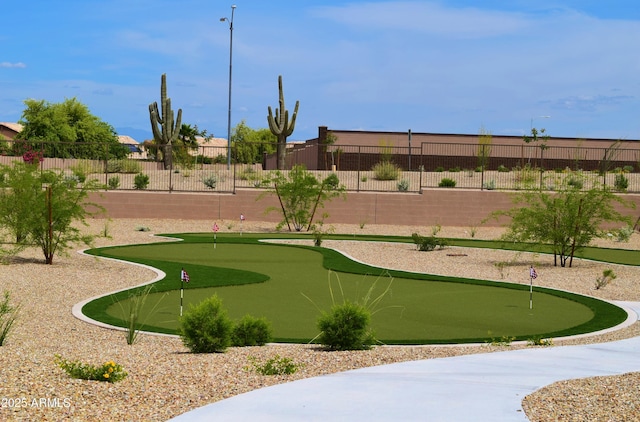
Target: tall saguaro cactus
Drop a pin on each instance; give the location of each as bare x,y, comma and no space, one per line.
165,131
281,126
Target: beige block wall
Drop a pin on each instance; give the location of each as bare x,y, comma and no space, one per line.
447,207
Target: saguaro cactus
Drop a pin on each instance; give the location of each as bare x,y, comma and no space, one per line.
165,131
280,125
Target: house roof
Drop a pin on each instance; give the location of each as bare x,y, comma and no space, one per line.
124,139
16,127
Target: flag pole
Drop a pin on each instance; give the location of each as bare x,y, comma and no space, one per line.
532,274
181,289
181,296
530,292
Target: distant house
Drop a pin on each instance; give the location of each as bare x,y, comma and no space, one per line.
211,147
9,131
136,151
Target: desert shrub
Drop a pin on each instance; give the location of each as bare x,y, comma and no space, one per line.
439,169
490,185
141,181
455,170
107,372
575,182
346,327
210,181
79,174
113,182
623,234
123,166
428,243
539,341
251,331
8,316
503,169
621,183
447,183
206,328
403,185
607,277
627,169
386,170
274,366
203,159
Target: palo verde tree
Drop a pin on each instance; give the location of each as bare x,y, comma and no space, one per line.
66,130
43,208
300,195
249,145
280,125
568,218
165,129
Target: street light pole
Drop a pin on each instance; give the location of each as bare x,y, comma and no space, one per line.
233,8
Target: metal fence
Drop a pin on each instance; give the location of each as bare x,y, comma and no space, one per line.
359,168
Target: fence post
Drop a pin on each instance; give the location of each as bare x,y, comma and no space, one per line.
542,148
170,151
482,166
358,171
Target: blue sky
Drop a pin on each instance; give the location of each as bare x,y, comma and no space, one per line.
449,66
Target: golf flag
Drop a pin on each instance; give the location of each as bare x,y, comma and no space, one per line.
532,273
215,227
184,276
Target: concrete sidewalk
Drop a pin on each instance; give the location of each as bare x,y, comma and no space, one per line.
479,387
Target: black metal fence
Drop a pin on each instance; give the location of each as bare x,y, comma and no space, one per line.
360,168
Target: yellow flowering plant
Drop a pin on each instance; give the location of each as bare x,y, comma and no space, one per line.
108,371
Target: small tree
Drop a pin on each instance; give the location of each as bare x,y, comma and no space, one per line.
45,208
567,219
300,194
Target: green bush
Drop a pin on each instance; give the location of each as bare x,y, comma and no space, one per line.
332,182
8,316
107,372
206,328
141,181
386,170
455,170
447,183
490,185
575,182
621,183
275,366
439,169
123,166
428,243
251,331
403,185
203,159
346,327
503,169
627,169
114,182
210,181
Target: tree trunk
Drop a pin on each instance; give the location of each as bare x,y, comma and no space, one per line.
282,152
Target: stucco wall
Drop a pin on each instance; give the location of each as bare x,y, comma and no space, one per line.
447,207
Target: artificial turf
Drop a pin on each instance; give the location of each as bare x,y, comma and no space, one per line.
290,286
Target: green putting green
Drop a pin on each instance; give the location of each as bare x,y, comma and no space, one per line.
290,286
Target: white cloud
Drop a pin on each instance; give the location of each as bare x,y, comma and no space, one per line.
426,17
18,65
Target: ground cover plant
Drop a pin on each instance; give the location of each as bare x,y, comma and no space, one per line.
260,278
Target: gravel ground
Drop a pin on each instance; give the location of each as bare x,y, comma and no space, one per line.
165,380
